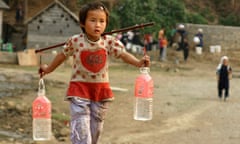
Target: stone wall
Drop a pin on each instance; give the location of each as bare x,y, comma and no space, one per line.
8,58
225,36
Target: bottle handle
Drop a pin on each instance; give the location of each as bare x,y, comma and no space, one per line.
41,87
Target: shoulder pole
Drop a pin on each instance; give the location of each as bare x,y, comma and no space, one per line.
106,33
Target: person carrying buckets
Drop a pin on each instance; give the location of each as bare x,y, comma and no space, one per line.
89,90
198,40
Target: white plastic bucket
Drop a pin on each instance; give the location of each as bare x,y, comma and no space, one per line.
129,46
199,50
218,48
212,49
134,48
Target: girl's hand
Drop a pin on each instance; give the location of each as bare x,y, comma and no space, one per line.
145,61
43,70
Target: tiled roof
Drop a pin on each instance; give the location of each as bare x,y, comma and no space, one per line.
3,5
55,2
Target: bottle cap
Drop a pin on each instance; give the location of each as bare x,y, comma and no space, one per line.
144,69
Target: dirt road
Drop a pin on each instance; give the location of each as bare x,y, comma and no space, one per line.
186,109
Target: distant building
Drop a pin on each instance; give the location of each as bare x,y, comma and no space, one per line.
3,6
53,25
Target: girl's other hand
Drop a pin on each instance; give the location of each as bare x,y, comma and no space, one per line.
145,61
43,70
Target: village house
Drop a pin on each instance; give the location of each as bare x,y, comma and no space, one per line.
52,25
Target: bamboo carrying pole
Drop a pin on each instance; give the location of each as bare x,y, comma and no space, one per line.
106,33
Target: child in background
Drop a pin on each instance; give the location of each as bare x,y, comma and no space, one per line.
224,72
89,91
163,48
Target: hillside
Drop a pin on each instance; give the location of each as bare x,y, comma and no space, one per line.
224,12
212,11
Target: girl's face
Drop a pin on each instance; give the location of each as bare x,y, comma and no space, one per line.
95,24
225,62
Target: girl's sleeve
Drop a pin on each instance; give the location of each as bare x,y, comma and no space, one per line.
68,48
115,47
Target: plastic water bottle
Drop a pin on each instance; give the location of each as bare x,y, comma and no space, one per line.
143,95
41,113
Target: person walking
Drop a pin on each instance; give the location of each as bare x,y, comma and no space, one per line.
183,42
89,90
182,36
185,49
198,40
224,74
200,36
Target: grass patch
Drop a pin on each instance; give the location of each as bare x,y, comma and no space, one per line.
60,117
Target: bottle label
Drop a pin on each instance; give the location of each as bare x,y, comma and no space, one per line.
144,89
41,108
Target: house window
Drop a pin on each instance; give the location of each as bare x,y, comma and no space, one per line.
38,27
40,21
54,21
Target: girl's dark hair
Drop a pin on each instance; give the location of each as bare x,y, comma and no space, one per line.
91,6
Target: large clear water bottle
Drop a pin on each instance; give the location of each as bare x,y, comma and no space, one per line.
143,95
41,113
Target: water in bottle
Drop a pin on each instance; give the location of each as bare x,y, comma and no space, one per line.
41,113
143,95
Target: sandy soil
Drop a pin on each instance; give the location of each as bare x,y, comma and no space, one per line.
186,108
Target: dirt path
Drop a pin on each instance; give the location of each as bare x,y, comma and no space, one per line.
186,109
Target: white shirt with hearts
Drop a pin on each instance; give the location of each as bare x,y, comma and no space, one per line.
90,65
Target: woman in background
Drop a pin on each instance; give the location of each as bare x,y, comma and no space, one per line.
224,72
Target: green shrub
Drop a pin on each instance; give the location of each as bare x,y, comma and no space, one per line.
231,20
196,18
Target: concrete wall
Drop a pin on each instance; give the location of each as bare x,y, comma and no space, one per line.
226,36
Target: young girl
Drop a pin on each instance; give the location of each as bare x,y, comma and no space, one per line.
224,72
89,92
